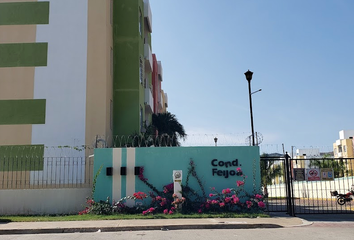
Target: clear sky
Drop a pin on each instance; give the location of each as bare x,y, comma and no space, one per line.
301,53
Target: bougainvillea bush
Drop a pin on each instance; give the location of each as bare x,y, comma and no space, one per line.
235,199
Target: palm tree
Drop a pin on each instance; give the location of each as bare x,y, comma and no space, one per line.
269,171
338,166
168,129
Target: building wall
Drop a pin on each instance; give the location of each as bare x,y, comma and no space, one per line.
99,90
43,201
128,45
19,50
56,80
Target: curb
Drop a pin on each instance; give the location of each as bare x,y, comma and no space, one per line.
137,228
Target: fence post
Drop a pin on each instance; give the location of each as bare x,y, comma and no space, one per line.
290,205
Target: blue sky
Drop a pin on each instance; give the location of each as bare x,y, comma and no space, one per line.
301,53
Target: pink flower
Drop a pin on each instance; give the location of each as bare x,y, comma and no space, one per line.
207,205
249,204
238,169
151,209
200,211
211,195
227,199
235,200
173,208
240,183
258,196
261,204
165,211
226,191
170,212
213,188
221,204
174,195
214,202
158,198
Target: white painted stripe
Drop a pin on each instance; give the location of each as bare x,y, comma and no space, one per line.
130,175
63,81
117,179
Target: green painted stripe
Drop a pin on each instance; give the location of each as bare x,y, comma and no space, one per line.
24,13
124,178
21,158
31,111
23,54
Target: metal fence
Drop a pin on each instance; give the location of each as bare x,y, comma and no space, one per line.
296,195
34,172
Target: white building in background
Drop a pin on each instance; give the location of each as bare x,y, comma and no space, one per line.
306,153
346,134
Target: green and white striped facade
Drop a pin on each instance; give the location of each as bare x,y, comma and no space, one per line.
55,71
72,70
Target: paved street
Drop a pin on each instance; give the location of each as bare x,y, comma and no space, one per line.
318,230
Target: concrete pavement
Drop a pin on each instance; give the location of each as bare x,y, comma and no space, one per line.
149,224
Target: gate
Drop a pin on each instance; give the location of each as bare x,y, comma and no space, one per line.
287,189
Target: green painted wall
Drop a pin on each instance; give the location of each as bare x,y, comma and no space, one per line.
23,54
159,164
103,159
21,158
128,45
30,111
22,13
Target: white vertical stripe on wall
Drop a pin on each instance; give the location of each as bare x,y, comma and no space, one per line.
63,81
117,179
130,175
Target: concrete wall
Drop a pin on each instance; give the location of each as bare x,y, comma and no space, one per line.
43,201
159,164
315,189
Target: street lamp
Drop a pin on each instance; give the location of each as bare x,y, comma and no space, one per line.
248,75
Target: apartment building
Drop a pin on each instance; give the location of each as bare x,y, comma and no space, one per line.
74,72
343,147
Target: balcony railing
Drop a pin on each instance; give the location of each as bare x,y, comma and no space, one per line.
148,15
148,57
149,101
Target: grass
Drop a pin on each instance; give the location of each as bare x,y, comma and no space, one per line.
91,217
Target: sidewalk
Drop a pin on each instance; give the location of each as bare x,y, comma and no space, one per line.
149,224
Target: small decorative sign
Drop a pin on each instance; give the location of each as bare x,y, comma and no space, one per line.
299,174
327,174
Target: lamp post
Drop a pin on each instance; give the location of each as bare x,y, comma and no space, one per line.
216,141
248,75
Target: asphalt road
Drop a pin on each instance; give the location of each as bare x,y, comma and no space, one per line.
321,230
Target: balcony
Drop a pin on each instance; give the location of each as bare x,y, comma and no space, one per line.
148,58
160,101
160,70
149,101
166,100
148,15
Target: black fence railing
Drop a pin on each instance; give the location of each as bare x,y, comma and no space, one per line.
33,172
309,185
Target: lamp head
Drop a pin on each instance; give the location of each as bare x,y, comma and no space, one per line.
248,75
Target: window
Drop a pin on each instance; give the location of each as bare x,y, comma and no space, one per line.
111,12
140,23
111,62
339,148
141,118
111,115
141,70
345,148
